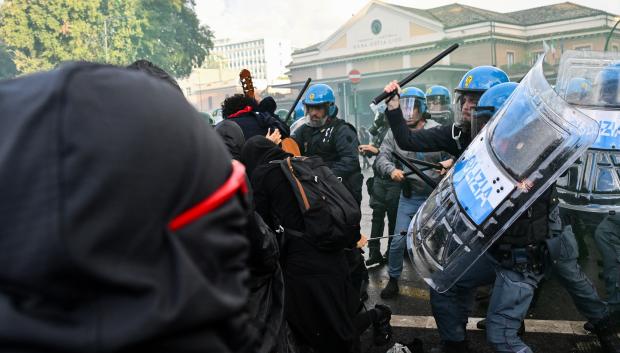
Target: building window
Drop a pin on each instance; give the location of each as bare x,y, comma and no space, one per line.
614,48
536,55
510,58
188,91
210,102
583,47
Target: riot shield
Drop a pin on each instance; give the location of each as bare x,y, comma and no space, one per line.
298,123
527,145
592,184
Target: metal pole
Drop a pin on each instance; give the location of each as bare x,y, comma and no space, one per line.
609,35
355,106
105,39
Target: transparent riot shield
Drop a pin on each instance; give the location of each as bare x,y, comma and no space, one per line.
590,81
527,145
298,123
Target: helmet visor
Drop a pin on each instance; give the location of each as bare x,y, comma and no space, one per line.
463,106
437,104
410,107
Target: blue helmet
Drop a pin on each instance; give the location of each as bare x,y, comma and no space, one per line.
490,102
410,99
473,84
607,87
438,92
321,94
299,111
481,78
496,96
578,89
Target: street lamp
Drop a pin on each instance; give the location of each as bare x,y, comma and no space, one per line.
611,32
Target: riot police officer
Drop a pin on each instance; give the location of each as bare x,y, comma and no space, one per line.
335,141
451,308
414,190
438,101
516,261
590,191
384,194
332,139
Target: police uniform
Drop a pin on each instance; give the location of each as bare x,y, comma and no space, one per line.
514,280
336,143
384,194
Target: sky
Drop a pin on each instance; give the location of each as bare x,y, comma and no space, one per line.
305,22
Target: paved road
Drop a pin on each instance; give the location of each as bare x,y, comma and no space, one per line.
553,324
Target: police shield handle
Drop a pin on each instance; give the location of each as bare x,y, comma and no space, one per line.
417,72
301,94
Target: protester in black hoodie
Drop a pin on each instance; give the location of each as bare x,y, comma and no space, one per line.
232,135
266,303
109,241
321,304
253,118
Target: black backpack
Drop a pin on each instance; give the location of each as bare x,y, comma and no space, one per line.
331,214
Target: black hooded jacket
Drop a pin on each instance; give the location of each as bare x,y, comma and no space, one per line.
319,299
260,120
95,162
232,135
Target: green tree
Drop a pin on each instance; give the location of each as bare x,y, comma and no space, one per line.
7,67
43,33
173,37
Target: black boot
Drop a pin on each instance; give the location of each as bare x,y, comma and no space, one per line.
374,258
391,289
455,347
381,328
607,335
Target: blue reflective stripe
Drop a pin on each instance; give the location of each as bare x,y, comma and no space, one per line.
472,188
608,136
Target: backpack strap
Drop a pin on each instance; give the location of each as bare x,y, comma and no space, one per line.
302,192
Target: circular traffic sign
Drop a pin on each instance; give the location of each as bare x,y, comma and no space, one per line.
355,76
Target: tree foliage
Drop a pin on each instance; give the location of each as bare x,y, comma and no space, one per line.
173,37
40,33
7,67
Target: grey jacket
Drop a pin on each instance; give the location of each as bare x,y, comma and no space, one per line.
385,163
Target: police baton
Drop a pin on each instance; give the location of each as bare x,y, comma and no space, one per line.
301,93
416,73
430,182
386,237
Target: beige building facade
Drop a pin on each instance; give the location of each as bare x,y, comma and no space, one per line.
386,42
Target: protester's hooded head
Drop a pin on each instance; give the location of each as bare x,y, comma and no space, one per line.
268,105
108,242
259,150
232,135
